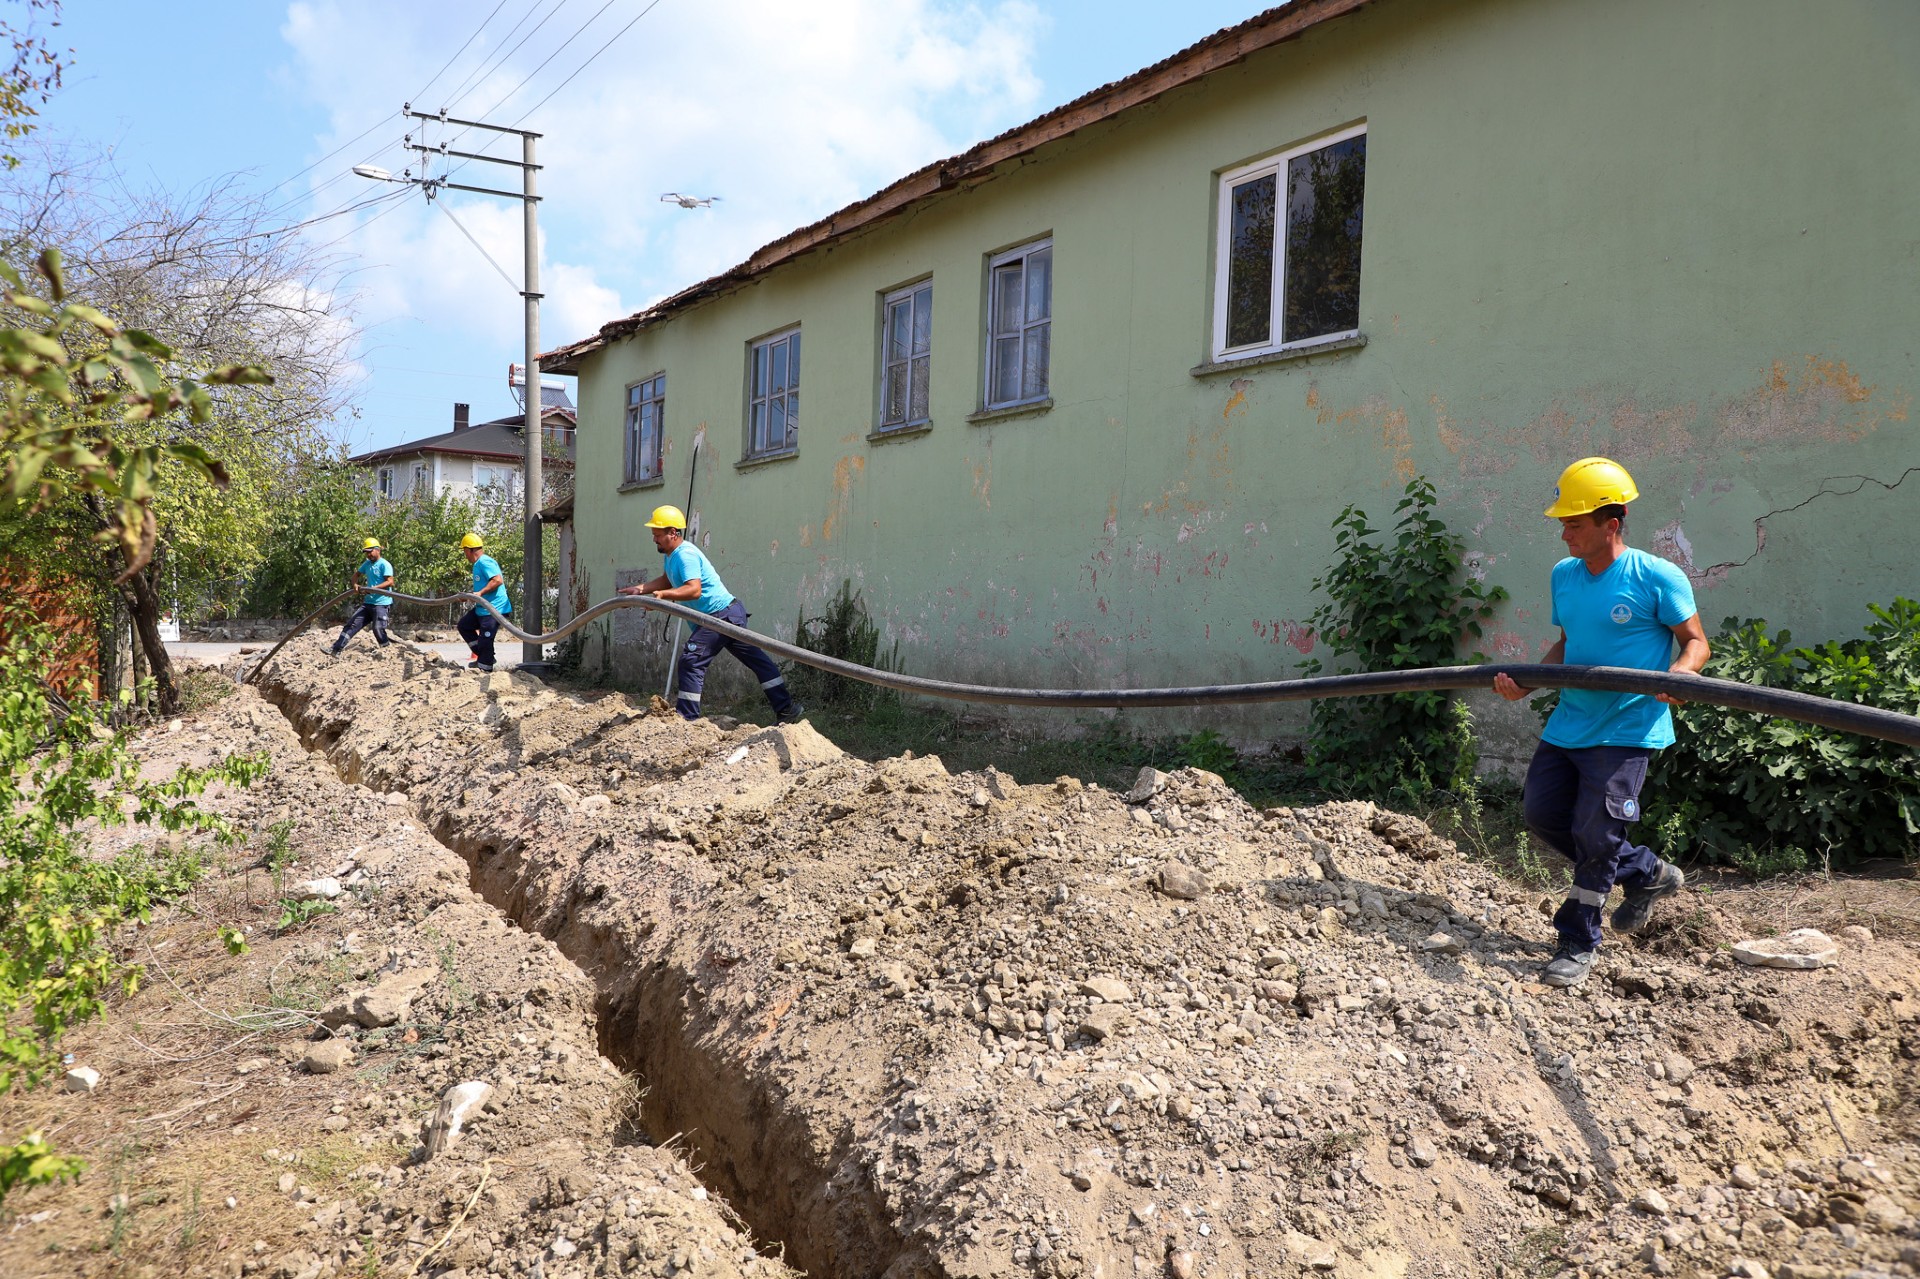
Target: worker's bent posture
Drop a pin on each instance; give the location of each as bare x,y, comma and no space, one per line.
691,579
1615,606
481,622
377,576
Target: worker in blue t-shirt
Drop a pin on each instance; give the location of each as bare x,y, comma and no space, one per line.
1615,606
691,579
377,576
479,624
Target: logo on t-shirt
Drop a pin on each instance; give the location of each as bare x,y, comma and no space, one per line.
1621,614
1628,808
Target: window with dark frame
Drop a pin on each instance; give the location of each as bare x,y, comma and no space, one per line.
1019,325
1288,271
773,395
906,347
645,427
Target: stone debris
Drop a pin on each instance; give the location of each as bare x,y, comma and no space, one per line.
327,1056
82,1079
1801,948
1181,882
1061,1030
325,888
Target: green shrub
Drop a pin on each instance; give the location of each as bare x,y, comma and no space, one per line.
1399,606
62,769
844,630
1773,795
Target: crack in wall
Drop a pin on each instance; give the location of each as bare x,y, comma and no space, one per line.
1716,572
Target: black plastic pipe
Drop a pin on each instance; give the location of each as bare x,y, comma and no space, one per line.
1848,717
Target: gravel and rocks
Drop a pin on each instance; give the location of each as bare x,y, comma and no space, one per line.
918,1023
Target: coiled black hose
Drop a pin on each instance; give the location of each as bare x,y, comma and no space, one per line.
1848,717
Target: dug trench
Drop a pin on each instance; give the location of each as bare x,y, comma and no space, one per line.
920,1024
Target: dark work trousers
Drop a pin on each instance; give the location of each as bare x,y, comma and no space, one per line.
375,613
477,628
705,643
1580,803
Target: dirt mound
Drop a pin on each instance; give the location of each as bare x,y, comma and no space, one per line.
924,1024
274,1114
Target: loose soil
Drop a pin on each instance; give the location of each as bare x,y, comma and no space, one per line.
908,1023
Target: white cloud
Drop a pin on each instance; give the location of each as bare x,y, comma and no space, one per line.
785,111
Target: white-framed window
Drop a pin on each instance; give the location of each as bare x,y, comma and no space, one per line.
423,479
383,481
1019,324
906,355
499,477
1287,268
646,421
773,395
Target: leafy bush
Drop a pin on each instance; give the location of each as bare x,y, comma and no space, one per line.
61,769
844,631
1399,606
1773,795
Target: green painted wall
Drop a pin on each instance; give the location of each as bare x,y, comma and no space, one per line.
1679,232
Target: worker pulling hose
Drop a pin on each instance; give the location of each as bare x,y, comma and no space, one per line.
1848,717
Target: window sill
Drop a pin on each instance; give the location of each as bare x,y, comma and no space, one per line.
887,435
1032,408
641,486
765,459
1288,356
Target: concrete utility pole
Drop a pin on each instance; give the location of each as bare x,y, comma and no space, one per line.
532,594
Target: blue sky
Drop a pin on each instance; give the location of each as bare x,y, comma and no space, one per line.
784,111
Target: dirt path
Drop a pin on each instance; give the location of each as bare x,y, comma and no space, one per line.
919,1024
912,1024
232,1134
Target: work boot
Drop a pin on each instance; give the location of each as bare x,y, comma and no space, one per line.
792,715
1569,966
1633,913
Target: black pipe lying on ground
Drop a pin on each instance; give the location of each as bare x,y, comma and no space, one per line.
1848,717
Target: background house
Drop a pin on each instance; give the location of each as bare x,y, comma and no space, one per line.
1081,403
474,456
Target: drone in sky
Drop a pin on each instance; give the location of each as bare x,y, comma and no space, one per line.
689,201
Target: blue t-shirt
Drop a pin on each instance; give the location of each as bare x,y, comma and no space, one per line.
1623,617
484,569
686,562
373,572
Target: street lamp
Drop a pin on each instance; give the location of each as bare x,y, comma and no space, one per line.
533,595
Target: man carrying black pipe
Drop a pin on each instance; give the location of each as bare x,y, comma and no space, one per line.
691,579
1615,606
377,576
479,624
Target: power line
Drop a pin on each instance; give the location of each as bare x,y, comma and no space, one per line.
508,48
323,159
549,58
570,78
457,52
441,205
589,62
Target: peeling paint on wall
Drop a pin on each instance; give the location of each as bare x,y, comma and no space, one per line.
1375,416
1822,401
845,472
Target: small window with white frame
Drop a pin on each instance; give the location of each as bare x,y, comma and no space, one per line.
1287,269
1019,325
646,422
421,479
384,481
773,395
906,356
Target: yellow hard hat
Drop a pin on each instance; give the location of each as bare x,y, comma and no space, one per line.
668,517
372,544
1588,485
471,542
